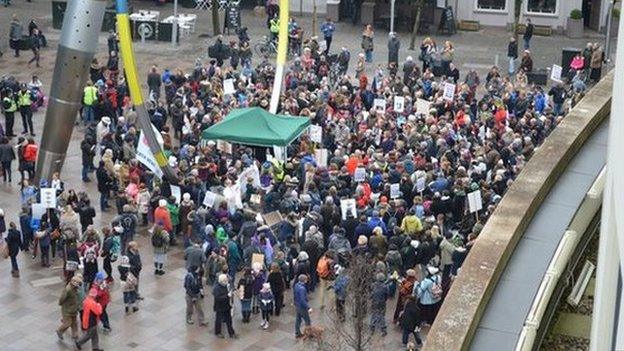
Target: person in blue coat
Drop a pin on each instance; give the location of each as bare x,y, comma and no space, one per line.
301,304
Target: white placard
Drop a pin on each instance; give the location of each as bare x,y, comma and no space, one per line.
555,73
209,199
346,206
228,87
224,147
359,175
379,104
38,210
449,91
399,104
176,192
321,155
420,185
280,153
48,197
474,201
249,172
395,191
423,106
316,133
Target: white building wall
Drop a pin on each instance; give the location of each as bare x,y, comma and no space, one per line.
467,10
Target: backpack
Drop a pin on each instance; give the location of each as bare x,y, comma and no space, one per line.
115,248
436,289
89,254
158,240
30,152
127,223
322,268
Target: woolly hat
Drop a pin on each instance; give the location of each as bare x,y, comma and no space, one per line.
432,270
162,203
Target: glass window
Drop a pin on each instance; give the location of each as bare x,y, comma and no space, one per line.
491,4
542,6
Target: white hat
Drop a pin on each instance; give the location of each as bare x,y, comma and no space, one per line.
186,196
162,202
415,243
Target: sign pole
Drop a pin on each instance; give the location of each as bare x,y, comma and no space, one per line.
174,30
392,16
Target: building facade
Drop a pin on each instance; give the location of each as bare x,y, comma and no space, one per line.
552,13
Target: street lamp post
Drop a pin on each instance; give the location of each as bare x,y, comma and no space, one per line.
392,15
174,29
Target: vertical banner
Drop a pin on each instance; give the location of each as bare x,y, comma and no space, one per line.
282,50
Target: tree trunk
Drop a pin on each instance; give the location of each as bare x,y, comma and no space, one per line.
517,13
419,7
216,27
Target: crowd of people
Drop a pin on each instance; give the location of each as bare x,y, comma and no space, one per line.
409,168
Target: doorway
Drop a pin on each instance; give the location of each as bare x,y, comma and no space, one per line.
591,13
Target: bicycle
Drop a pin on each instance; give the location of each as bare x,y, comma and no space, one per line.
266,47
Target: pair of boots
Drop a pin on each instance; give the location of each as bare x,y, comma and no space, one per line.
15,274
246,316
158,269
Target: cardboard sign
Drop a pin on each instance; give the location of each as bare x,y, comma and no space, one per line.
316,133
348,206
395,191
359,175
449,91
420,185
255,199
48,197
379,104
423,106
38,210
474,201
273,218
176,192
228,87
399,104
257,258
209,199
224,147
555,73
321,156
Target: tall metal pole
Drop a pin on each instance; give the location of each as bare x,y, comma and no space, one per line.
77,45
314,17
392,15
174,29
611,247
608,34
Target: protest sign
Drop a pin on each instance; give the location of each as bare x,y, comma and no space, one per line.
316,133
228,87
399,104
475,203
48,197
449,91
209,199
379,104
348,206
395,191
321,155
555,73
423,106
176,192
359,175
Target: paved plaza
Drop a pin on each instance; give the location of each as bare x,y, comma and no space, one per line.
29,305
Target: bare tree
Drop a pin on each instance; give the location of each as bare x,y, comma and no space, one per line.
419,7
353,333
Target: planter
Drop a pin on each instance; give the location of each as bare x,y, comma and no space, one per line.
469,26
575,28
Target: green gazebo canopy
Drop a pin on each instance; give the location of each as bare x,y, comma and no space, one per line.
256,126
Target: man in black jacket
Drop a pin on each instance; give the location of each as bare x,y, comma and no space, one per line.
104,181
528,34
87,147
222,307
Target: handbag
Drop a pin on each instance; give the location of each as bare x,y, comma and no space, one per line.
4,250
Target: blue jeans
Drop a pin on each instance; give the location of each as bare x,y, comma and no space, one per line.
527,43
558,109
302,313
103,201
369,55
512,66
85,172
88,115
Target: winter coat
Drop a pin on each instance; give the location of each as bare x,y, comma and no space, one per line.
221,298
69,301
301,296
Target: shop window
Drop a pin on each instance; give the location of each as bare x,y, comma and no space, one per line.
499,5
542,6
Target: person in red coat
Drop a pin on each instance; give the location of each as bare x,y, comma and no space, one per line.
162,216
91,311
103,298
